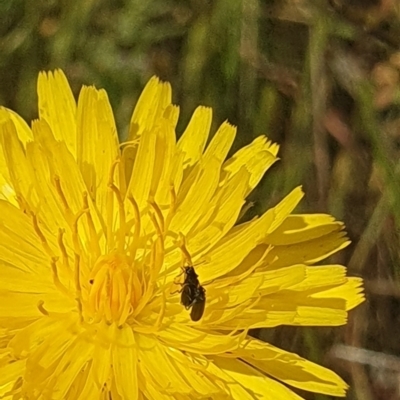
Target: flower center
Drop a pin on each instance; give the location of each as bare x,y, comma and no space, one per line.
109,262
110,293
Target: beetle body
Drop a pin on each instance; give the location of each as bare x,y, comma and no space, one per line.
193,295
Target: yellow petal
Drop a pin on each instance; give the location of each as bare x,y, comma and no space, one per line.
152,103
320,276
97,143
19,248
303,227
282,210
305,309
309,252
220,143
351,291
233,295
23,130
282,278
59,165
35,333
24,134
71,364
235,389
257,158
190,339
57,106
21,178
162,178
194,139
10,373
232,249
142,174
291,368
53,215
223,211
195,195
125,364
259,385
101,364
158,368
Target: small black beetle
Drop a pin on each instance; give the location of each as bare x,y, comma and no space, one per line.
193,295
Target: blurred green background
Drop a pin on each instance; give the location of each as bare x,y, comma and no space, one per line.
320,77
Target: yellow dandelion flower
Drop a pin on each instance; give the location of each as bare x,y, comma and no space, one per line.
94,238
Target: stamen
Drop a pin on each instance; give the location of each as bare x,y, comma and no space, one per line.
77,281
23,204
56,279
94,243
122,217
172,208
157,252
147,287
75,236
42,309
63,199
159,214
126,307
42,237
138,327
159,258
161,315
156,225
65,259
107,302
95,290
136,232
136,288
130,143
110,208
185,252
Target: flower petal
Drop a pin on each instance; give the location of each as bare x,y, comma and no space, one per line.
71,364
321,276
70,197
194,139
259,385
304,309
164,163
235,246
309,252
257,158
151,105
57,106
19,249
351,291
21,178
291,368
10,373
23,130
199,342
97,143
125,360
158,368
303,227
195,195
221,143
223,211
142,174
